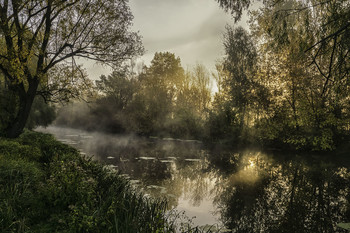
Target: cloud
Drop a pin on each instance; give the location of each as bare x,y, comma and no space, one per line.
192,29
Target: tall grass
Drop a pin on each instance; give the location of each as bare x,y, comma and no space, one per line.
46,186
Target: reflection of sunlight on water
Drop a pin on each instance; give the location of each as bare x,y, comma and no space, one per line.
246,189
251,163
248,175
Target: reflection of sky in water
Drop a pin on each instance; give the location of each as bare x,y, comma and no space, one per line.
203,213
172,169
247,191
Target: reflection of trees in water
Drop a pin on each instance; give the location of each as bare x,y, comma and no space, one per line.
195,182
288,197
172,179
253,194
256,194
190,181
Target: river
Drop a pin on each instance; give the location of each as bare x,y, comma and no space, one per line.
245,191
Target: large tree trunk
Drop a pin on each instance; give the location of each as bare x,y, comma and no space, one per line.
26,98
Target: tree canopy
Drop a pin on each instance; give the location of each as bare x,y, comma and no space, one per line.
289,76
41,40
327,24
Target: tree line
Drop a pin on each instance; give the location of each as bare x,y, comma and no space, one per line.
282,83
162,99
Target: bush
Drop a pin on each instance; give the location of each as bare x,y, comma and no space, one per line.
49,187
20,184
46,186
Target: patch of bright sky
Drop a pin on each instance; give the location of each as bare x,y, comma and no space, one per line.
191,29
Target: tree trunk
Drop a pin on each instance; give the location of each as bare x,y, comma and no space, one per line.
26,98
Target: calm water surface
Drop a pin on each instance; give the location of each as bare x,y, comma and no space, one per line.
247,191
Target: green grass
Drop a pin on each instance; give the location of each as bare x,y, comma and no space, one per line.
46,186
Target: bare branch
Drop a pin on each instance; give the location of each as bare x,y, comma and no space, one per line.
337,33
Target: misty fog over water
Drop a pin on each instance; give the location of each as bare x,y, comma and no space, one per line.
213,116
236,190
165,168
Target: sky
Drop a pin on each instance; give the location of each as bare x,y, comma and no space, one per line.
191,29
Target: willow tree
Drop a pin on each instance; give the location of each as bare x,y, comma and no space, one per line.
327,22
41,40
304,46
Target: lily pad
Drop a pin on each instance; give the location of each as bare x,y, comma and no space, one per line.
167,161
147,158
192,160
345,226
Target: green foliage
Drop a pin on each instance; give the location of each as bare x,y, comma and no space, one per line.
223,126
161,100
15,150
46,186
8,105
20,184
235,7
345,226
288,82
118,87
39,58
185,125
240,64
284,84
41,114
237,104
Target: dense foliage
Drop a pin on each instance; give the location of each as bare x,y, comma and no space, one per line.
287,81
162,100
42,113
40,41
46,186
283,83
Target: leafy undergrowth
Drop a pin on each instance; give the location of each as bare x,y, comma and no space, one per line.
46,186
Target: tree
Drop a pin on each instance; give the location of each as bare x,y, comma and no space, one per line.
160,86
240,63
327,20
238,99
192,103
201,82
117,87
112,109
41,114
309,86
52,34
235,7
302,71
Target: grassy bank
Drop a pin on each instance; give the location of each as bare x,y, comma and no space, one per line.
46,186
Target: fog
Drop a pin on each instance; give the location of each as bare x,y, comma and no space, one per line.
104,146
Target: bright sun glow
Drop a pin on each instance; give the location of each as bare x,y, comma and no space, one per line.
251,163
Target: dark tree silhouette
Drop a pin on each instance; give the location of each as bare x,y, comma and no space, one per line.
40,41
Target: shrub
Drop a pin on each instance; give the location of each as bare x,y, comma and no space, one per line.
46,186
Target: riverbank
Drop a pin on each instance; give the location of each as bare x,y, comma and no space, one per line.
47,186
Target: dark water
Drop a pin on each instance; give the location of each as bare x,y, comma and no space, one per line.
247,191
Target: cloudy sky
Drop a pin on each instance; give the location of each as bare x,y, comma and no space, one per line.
192,29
